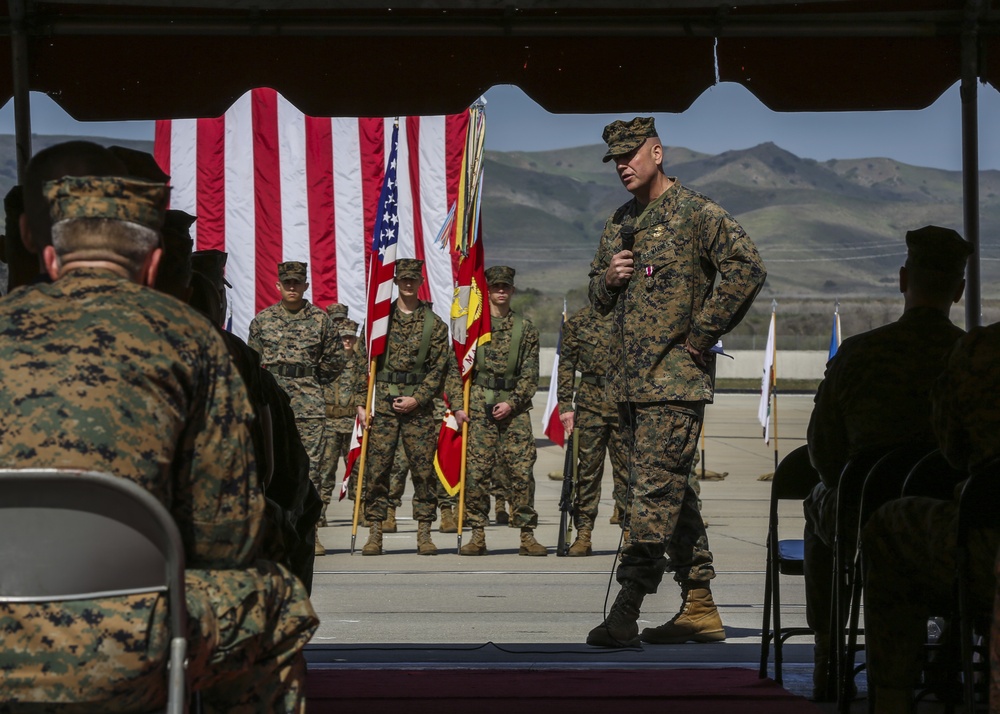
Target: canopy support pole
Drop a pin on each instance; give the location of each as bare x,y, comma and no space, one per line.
970,160
19,68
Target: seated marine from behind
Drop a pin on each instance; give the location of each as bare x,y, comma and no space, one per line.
100,372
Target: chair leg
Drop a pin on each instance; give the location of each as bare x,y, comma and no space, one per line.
965,640
836,655
779,642
844,695
765,628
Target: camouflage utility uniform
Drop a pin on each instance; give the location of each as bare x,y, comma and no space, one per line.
586,337
910,543
398,374
863,404
510,441
99,373
341,410
301,349
684,241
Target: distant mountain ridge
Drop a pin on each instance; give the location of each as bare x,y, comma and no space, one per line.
832,228
825,229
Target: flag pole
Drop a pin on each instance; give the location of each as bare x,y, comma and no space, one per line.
461,473
364,453
703,448
774,381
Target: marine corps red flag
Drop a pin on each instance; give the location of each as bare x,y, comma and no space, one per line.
448,458
470,319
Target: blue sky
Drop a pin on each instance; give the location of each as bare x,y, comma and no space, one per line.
725,117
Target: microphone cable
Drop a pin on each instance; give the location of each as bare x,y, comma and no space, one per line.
627,233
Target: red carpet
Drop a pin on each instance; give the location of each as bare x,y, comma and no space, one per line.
525,691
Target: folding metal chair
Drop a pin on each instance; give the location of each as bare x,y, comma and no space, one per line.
977,510
883,483
82,535
794,478
849,487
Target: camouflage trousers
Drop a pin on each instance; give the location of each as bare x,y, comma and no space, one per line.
418,433
337,445
312,432
662,509
820,510
397,483
247,629
597,435
512,444
909,547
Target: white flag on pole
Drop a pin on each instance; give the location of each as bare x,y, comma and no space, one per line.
767,381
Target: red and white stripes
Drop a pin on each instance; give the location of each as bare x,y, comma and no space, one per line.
269,184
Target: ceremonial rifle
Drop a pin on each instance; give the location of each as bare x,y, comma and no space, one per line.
567,496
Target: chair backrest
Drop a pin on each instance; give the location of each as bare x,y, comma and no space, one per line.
933,477
850,486
887,475
70,535
795,476
978,503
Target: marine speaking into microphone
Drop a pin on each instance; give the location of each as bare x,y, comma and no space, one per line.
679,272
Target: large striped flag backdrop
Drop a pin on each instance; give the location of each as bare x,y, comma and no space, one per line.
269,184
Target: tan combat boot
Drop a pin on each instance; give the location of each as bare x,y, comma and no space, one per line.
425,546
697,621
620,628
581,546
476,546
389,524
374,544
530,546
502,517
615,518
448,523
319,549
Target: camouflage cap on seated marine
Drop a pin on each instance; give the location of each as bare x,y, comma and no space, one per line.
937,248
348,328
624,137
337,310
292,270
211,264
114,197
409,268
500,275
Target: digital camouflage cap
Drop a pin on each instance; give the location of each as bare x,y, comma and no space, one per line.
114,197
500,275
292,270
409,268
937,248
336,310
348,328
623,137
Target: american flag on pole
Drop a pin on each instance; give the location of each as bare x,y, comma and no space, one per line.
270,184
383,256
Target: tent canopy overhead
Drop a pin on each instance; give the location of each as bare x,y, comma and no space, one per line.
150,59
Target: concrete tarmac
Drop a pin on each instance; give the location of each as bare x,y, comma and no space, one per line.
403,598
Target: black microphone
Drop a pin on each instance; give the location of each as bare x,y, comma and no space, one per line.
628,237
628,243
